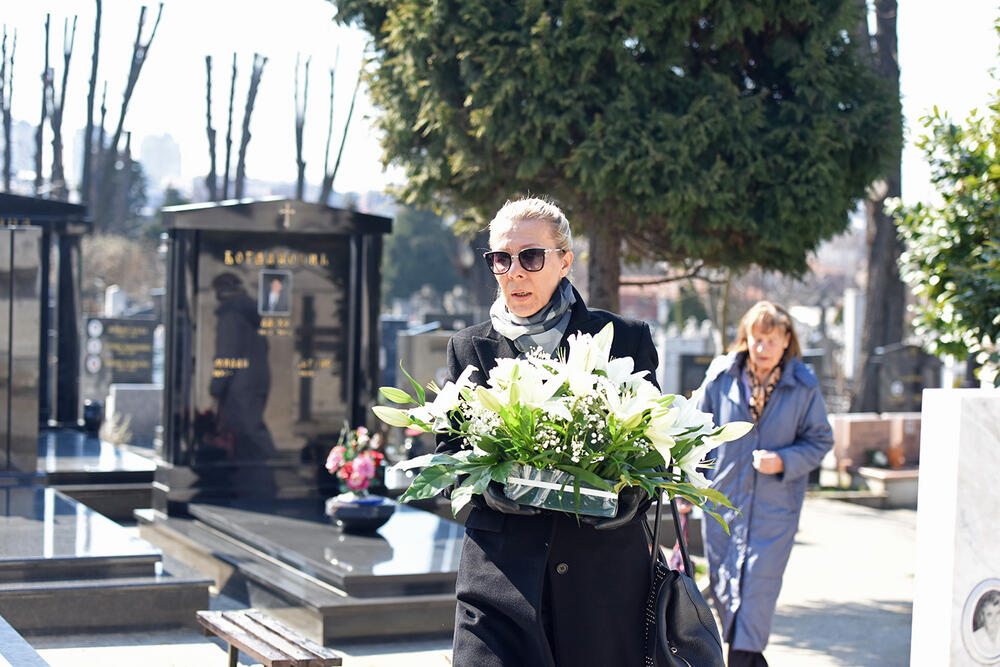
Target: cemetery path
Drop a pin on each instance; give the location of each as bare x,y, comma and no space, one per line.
846,602
847,596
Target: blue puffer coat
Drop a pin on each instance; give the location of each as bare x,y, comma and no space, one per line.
746,567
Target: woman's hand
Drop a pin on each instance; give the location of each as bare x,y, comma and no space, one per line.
630,500
768,462
498,502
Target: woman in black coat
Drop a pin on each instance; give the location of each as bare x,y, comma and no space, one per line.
540,587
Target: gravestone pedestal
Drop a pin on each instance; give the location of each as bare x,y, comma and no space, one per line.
288,559
955,618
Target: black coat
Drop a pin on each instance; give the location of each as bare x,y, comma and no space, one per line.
591,583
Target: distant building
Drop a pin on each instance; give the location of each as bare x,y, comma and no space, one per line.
160,156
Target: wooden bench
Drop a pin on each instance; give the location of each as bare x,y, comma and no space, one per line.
268,641
898,485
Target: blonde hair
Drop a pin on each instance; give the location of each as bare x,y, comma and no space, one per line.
533,208
765,316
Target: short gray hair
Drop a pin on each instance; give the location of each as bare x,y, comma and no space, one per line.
533,208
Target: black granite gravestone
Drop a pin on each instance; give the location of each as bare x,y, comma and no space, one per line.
271,346
116,350
60,225
904,371
20,328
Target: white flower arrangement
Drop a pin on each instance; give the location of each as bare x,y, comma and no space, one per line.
587,415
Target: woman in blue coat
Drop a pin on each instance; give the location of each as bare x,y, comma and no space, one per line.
540,588
764,473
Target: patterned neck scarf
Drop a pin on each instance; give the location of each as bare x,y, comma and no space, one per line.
760,392
544,329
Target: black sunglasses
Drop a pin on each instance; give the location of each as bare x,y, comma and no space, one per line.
530,259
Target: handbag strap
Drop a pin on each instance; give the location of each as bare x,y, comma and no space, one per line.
685,556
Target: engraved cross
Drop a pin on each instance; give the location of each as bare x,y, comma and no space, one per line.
288,212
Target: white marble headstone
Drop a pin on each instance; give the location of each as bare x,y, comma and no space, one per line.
958,528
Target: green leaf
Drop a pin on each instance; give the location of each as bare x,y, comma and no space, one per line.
430,482
421,395
586,476
501,471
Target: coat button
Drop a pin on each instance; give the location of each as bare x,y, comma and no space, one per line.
562,568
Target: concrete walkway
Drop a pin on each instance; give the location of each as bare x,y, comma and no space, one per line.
846,602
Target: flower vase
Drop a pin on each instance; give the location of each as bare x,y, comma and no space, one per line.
359,514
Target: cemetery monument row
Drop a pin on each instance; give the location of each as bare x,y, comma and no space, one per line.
271,347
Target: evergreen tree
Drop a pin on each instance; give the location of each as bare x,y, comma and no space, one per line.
952,256
420,251
708,134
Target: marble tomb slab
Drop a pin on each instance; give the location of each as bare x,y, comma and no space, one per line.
414,553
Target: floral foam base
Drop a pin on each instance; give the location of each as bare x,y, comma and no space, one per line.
554,490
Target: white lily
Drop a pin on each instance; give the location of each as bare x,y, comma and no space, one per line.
659,431
449,396
690,462
627,407
587,353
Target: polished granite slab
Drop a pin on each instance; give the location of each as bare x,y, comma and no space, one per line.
68,456
14,650
66,568
414,553
49,536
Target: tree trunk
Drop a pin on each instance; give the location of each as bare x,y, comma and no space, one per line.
6,92
885,295
300,122
211,181
603,262
258,68
139,53
326,185
329,178
40,131
87,177
229,132
60,189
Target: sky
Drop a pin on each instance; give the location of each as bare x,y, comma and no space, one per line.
946,52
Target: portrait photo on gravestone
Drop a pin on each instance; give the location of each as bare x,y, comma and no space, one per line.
274,292
981,622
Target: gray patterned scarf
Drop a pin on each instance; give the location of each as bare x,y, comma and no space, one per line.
544,329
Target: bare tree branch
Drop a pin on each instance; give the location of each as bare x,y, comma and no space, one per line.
258,69
229,132
327,184
139,52
211,181
695,272
6,92
59,188
46,99
87,178
300,121
329,178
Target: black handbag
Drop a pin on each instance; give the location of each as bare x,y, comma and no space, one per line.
680,630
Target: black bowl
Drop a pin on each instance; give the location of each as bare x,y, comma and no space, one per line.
365,515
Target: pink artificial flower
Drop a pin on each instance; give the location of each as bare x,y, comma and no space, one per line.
357,482
336,458
364,465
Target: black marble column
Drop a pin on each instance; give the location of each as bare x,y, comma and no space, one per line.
20,327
